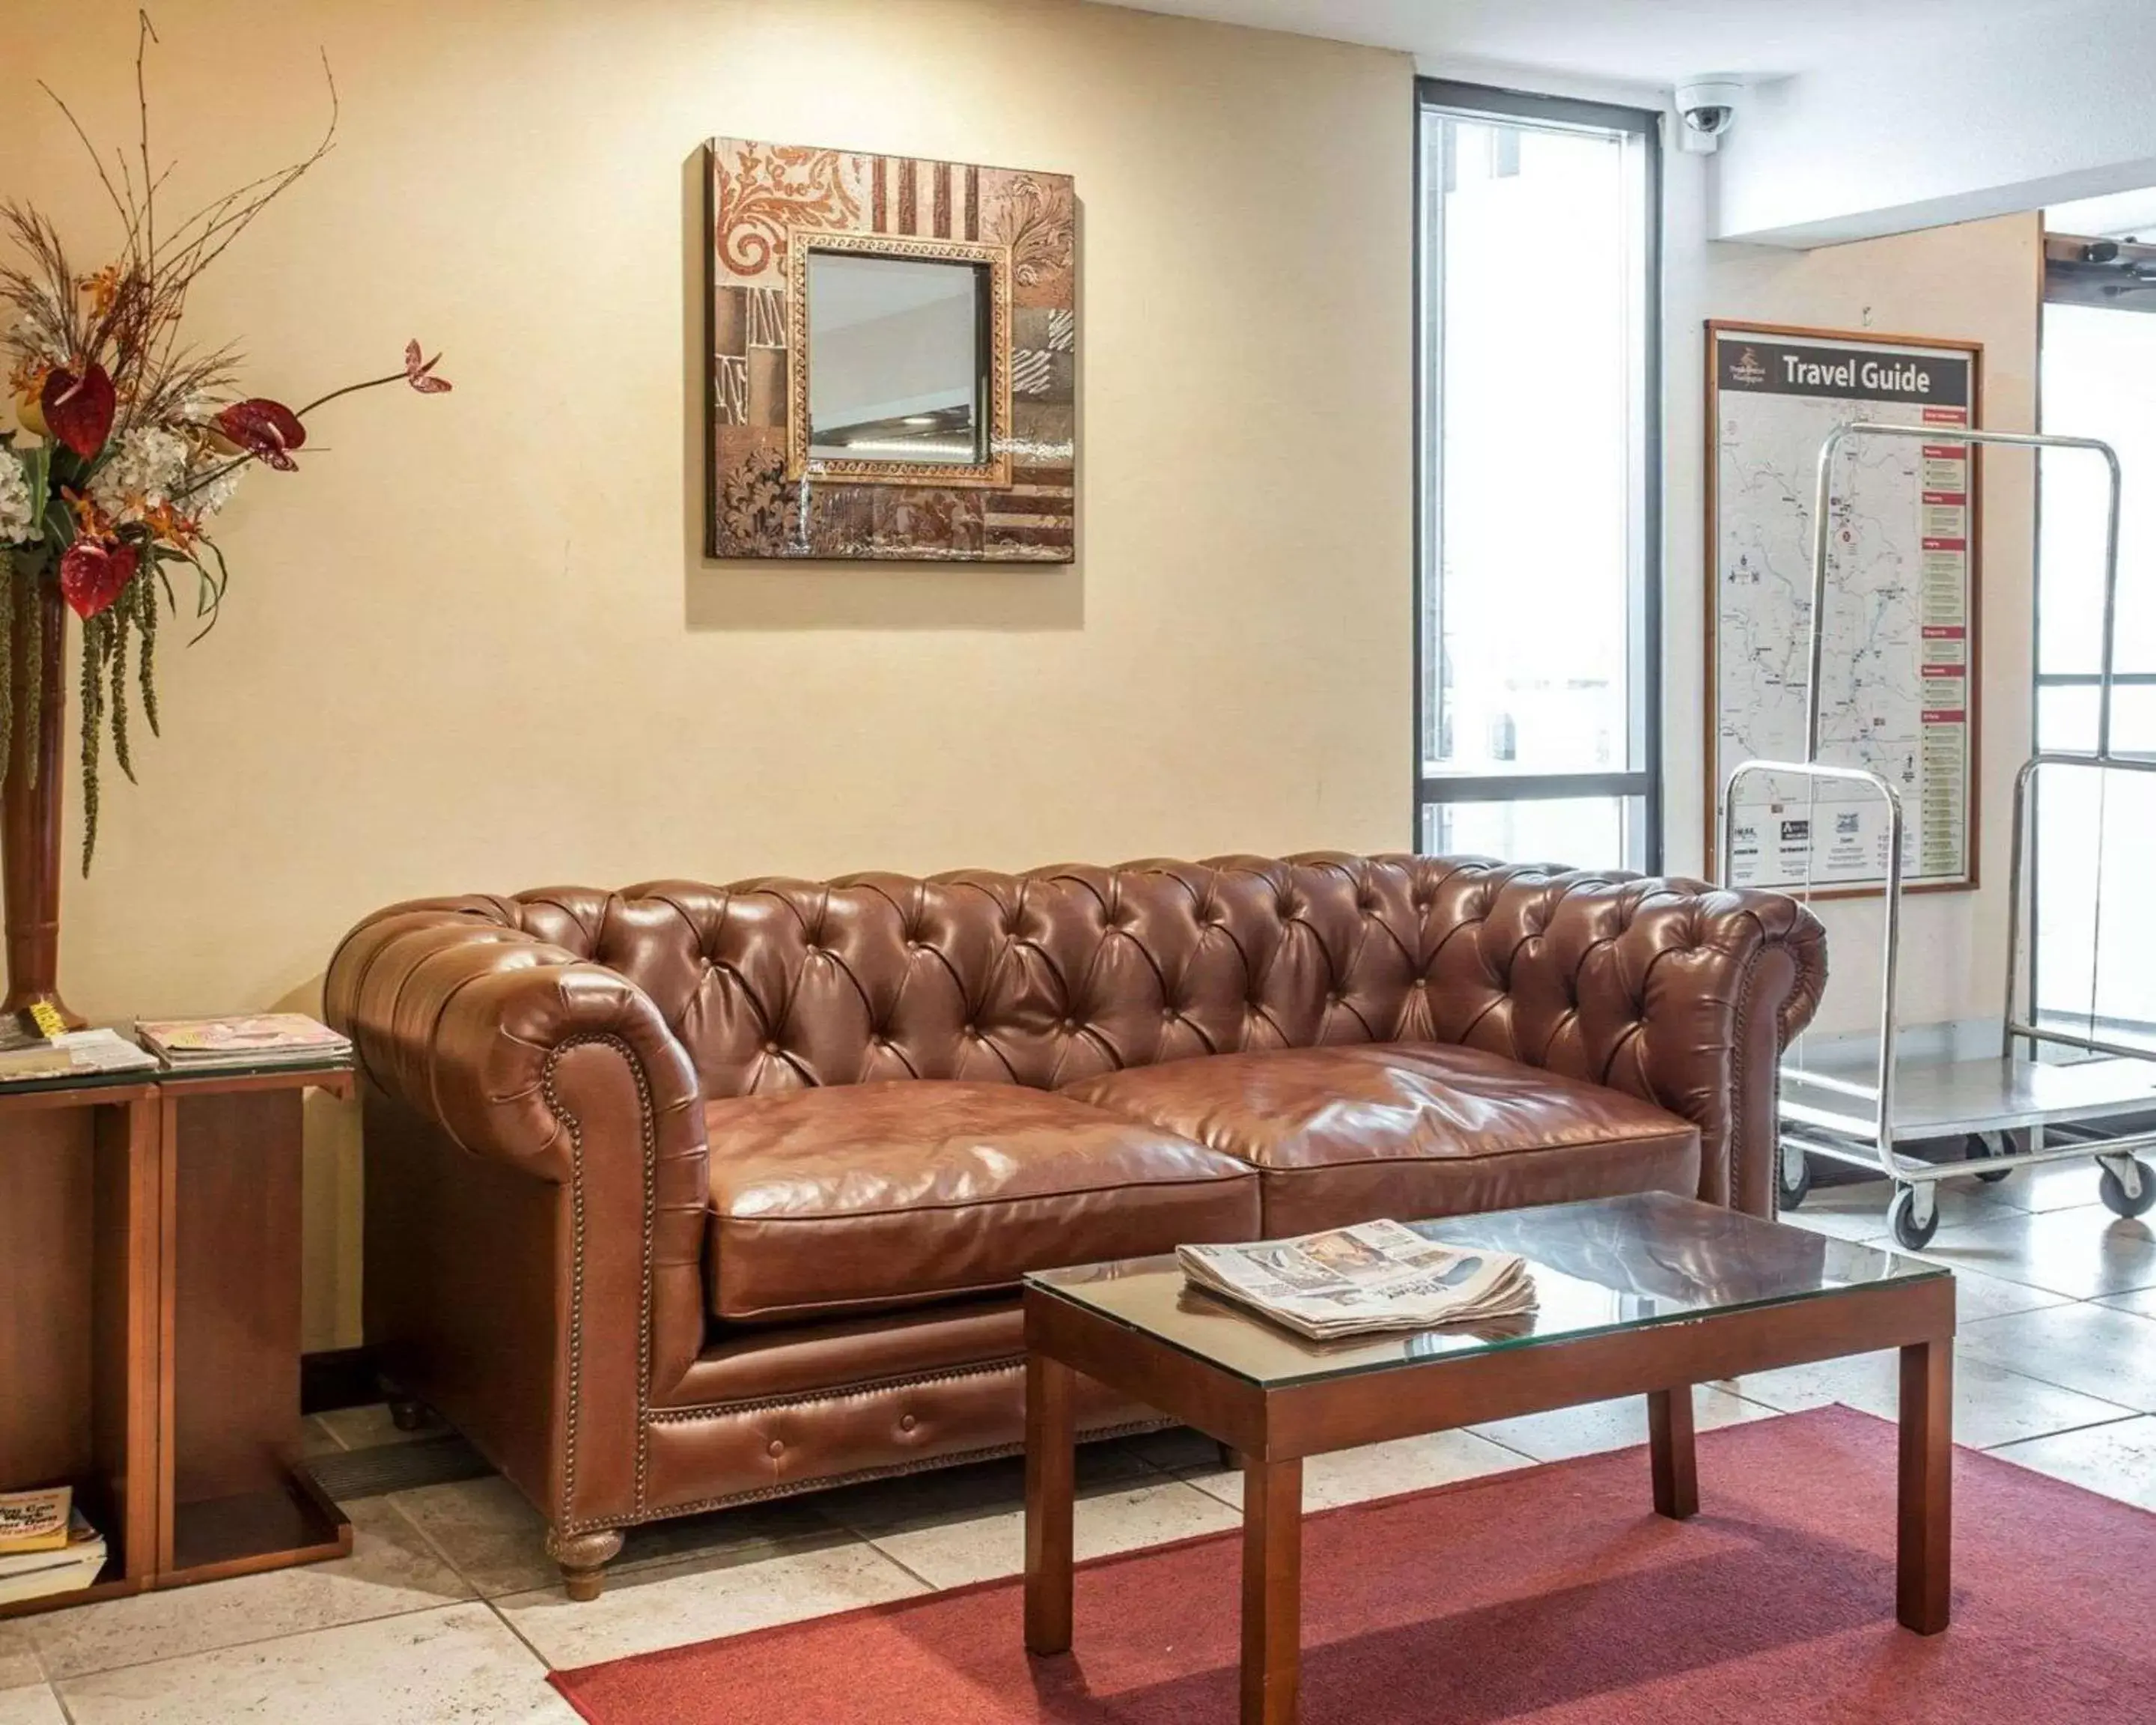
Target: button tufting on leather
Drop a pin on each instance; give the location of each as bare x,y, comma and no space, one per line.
771,1048
774,1448
906,1422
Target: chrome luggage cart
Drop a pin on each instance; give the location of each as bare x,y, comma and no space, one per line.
2057,1110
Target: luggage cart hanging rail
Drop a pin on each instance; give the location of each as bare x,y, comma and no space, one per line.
1844,1119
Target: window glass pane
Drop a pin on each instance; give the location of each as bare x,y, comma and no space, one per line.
2065,719
1580,833
2099,380
1535,275
2095,952
2095,956
2095,832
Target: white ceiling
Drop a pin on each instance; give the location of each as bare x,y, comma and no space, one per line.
1642,42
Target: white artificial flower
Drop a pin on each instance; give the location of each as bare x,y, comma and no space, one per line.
205,498
18,513
149,465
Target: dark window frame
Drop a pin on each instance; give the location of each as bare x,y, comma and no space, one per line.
1645,782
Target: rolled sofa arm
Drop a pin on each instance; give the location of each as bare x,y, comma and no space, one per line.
461,1014
1675,992
534,1138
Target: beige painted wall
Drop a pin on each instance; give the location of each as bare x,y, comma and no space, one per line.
473,646
1979,281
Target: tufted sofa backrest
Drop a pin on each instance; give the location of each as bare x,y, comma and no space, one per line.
1040,978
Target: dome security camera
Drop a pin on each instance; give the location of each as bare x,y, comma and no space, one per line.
1708,108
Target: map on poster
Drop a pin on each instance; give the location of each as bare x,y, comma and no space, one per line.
1900,616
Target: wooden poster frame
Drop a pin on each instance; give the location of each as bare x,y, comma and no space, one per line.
1711,556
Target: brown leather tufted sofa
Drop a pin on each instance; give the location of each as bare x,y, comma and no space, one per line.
683,1196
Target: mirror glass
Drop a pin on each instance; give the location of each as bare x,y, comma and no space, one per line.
898,359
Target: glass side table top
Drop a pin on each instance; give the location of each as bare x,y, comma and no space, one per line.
1603,1265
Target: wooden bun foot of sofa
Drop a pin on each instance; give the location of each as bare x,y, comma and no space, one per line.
582,1559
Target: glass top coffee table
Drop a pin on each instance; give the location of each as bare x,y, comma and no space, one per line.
1638,1296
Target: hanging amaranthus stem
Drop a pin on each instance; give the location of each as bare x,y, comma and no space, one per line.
146,653
96,634
123,616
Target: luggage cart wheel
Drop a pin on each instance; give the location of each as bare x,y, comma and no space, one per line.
1979,1145
2114,1190
1794,1176
1913,1226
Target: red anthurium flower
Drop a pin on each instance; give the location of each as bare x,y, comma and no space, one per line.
78,408
94,572
421,377
266,430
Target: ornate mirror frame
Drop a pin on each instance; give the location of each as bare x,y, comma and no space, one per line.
801,243
768,208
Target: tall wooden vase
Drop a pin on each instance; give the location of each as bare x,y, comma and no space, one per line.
30,814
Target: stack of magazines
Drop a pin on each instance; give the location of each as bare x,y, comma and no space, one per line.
72,1055
266,1039
46,1545
1376,1275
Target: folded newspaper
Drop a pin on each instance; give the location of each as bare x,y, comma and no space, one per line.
1376,1275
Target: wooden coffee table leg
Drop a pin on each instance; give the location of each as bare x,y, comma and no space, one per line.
1272,1590
1926,1531
1050,1460
1669,1446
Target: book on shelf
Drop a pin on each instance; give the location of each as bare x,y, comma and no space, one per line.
249,1039
76,1054
1350,1281
35,1521
71,1565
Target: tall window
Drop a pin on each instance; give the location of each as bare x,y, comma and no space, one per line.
1537,658
2095,951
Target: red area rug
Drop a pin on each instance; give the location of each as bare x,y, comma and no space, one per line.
1552,1595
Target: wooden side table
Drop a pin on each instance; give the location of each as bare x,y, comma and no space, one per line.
150,1319
78,1258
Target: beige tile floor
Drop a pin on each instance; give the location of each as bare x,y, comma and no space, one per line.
447,1610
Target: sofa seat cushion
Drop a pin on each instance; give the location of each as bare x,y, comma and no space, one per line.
1406,1130
859,1197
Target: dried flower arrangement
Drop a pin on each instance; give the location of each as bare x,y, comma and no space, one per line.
131,441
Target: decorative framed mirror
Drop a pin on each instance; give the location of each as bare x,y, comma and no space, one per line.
893,358
905,360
